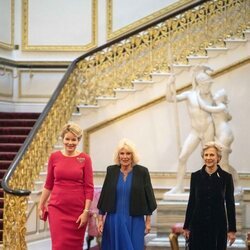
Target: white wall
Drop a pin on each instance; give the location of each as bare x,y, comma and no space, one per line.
153,130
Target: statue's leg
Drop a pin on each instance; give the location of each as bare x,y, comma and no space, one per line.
189,146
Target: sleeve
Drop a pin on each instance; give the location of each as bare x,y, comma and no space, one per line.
152,205
191,204
49,183
88,179
100,204
230,204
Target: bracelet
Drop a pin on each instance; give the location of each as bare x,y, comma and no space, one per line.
86,210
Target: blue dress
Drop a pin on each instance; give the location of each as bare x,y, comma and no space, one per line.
122,231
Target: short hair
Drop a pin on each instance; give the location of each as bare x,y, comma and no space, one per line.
221,95
128,145
213,144
72,128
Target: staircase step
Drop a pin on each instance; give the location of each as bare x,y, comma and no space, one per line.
10,147
2,173
22,115
15,131
4,164
17,122
12,138
1,203
7,156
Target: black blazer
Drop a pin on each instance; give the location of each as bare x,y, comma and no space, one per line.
211,204
142,199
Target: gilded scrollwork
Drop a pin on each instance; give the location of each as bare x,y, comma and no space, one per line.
159,47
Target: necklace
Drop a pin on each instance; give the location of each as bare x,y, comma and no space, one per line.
125,172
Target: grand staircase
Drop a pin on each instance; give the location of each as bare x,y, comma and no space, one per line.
121,78
14,128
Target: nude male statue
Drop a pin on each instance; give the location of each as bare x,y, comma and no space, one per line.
202,127
223,132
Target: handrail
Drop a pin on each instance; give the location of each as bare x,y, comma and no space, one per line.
23,149
28,140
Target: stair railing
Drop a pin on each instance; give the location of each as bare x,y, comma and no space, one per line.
154,47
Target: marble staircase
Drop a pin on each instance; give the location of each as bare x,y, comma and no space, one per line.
145,91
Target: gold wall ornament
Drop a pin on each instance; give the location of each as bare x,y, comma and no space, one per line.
10,45
112,34
26,46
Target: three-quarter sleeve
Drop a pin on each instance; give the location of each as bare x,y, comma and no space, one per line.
49,183
150,197
88,179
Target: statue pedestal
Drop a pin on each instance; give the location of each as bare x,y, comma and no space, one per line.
172,210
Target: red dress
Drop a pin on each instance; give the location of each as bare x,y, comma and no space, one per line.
70,180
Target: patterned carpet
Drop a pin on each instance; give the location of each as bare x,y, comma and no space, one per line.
14,128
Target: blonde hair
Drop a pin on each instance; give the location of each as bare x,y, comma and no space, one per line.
72,128
213,144
130,147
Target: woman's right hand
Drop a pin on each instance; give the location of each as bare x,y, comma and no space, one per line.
186,233
41,212
100,226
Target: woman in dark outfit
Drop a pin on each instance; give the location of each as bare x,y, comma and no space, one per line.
127,199
210,216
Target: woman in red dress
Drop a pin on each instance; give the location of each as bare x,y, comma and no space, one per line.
68,192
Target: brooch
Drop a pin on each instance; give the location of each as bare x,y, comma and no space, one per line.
80,159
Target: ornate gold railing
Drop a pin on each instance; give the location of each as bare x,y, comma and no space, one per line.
156,48
33,160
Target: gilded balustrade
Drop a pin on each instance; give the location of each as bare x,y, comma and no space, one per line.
15,207
159,47
155,49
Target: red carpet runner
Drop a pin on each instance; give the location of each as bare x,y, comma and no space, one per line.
14,128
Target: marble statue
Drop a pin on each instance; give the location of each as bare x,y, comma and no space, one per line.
223,132
202,128
209,119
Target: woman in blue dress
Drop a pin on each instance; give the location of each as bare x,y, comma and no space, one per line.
127,200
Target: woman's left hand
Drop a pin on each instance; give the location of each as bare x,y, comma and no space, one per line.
82,219
231,236
147,227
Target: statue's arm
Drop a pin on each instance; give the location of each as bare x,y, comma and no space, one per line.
210,108
171,95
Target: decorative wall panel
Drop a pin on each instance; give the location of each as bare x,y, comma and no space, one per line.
59,25
121,18
6,82
38,84
7,21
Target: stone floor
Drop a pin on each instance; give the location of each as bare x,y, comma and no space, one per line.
162,243
46,245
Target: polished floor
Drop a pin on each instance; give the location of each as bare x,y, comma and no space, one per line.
46,245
